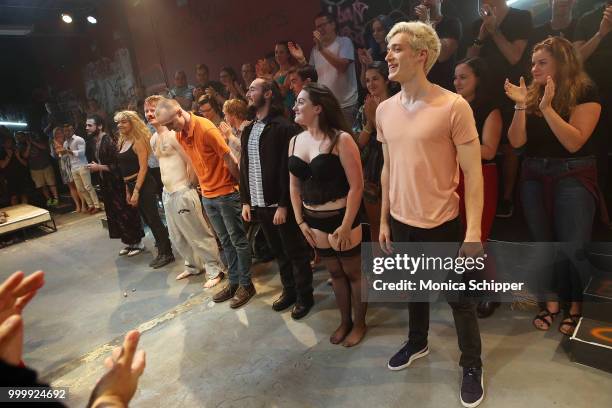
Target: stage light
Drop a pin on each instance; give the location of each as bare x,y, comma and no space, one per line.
511,2
66,18
14,124
92,19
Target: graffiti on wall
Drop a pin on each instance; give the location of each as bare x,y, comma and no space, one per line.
110,81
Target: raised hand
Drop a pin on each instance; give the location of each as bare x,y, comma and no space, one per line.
296,51
489,19
606,22
125,367
369,109
316,37
422,13
549,94
226,130
517,93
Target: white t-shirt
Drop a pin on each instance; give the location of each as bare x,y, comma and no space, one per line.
342,84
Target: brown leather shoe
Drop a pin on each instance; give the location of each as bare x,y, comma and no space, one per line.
242,296
226,293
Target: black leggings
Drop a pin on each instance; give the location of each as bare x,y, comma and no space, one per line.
147,206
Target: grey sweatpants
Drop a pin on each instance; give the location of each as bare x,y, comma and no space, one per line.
190,234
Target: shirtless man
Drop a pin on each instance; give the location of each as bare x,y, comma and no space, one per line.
189,232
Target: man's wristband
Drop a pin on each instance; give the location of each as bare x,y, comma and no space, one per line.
300,223
520,108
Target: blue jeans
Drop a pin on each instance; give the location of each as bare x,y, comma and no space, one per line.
573,209
225,215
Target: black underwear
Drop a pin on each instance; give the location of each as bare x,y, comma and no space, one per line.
327,221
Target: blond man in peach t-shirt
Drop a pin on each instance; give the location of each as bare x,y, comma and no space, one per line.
428,133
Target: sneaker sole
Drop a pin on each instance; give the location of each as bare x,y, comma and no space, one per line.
504,215
135,253
415,356
475,403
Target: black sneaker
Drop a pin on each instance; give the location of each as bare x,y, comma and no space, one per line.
406,356
472,389
505,209
163,260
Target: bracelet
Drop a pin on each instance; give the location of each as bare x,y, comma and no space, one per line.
477,42
300,223
520,108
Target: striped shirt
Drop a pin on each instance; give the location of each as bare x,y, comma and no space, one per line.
255,179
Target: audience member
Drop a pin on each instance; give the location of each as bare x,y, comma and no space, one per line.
236,115
203,83
333,57
264,193
449,31
553,121
122,219
36,152
500,37
377,49
594,43
189,231
561,24
378,86
234,88
472,82
182,92
217,172
74,148
209,108
66,169
301,76
140,187
428,133
248,73
15,170
286,63
326,186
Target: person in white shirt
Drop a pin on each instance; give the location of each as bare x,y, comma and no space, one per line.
75,148
189,232
333,57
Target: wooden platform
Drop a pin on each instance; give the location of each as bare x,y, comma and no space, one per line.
24,216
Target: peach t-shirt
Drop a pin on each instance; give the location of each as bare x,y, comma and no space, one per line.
422,140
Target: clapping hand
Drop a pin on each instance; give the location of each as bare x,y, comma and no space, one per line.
365,58
549,94
489,19
125,366
296,51
517,93
422,13
369,109
316,37
226,130
15,293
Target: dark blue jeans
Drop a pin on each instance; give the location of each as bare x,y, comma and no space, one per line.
225,215
573,210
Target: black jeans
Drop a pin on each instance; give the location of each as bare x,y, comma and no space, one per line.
464,310
290,250
147,206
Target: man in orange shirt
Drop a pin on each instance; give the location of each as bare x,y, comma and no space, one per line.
217,171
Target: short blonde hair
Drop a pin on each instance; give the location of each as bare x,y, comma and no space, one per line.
153,99
421,37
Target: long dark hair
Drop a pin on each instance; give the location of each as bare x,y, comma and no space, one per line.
331,119
277,106
481,71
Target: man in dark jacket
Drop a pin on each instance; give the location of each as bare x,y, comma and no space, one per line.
264,192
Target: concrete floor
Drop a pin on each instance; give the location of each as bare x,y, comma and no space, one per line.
200,354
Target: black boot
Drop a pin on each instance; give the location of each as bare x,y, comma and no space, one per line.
302,307
286,299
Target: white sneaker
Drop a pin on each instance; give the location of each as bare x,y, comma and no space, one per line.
124,251
137,249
